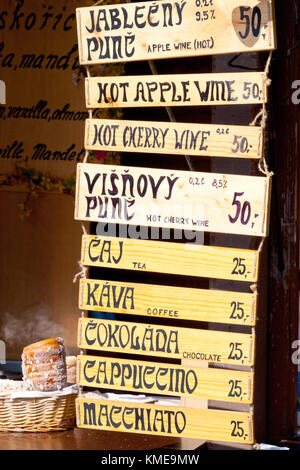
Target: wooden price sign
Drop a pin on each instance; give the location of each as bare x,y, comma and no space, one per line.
176,90
170,258
204,140
163,420
173,199
166,29
168,302
165,379
165,341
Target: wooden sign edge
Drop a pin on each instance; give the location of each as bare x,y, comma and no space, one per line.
77,191
267,205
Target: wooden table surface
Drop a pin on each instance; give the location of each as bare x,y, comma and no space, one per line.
88,439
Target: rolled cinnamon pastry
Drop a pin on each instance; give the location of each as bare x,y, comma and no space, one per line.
44,365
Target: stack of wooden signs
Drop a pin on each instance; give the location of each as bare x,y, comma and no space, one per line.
140,196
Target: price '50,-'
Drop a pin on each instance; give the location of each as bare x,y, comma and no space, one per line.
243,210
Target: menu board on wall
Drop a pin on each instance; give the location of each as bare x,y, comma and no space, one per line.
43,118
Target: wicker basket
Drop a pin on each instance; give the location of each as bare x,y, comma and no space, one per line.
37,414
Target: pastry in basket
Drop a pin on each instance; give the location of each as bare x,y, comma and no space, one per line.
71,369
8,386
44,365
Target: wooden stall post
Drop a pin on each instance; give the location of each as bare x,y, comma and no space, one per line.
284,228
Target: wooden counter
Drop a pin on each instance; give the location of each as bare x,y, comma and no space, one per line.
88,439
